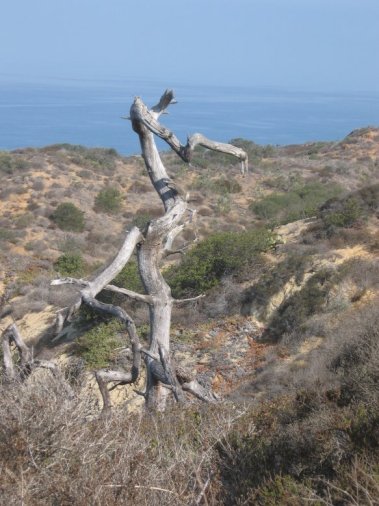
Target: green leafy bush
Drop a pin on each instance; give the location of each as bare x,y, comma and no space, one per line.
299,203
68,217
129,278
342,213
108,200
141,220
254,151
70,264
97,345
220,254
230,185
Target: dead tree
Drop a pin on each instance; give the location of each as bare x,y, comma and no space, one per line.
152,245
22,369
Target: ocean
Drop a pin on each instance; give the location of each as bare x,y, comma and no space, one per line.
89,113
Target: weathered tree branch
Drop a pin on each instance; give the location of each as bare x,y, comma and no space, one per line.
190,299
129,293
199,391
139,112
92,288
105,376
27,362
12,334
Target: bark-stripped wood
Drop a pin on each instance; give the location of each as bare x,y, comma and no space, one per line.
141,113
152,245
27,362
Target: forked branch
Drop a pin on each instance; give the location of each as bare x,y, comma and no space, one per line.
139,112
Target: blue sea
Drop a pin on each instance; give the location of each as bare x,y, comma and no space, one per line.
89,113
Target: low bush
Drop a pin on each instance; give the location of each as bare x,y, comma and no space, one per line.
350,210
70,264
6,165
141,220
99,159
254,151
220,254
11,163
97,346
319,441
299,203
7,235
129,278
341,213
108,200
68,217
220,185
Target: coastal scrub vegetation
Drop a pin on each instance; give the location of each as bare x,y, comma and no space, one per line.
221,254
317,443
299,420
296,204
68,217
108,200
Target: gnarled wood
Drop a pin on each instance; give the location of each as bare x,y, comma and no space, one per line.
152,245
105,376
141,113
159,238
27,362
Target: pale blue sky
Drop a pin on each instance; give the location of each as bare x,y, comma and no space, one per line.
305,44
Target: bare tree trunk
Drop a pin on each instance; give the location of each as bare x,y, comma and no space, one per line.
153,245
152,250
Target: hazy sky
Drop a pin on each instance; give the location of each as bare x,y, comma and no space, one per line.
314,44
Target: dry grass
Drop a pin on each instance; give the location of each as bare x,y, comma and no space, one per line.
56,450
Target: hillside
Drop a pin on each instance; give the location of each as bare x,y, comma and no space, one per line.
287,335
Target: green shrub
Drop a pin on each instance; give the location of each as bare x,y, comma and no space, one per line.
10,163
220,185
108,200
68,217
6,165
299,203
253,150
220,254
25,220
98,159
342,213
70,264
141,220
7,235
129,278
97,345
